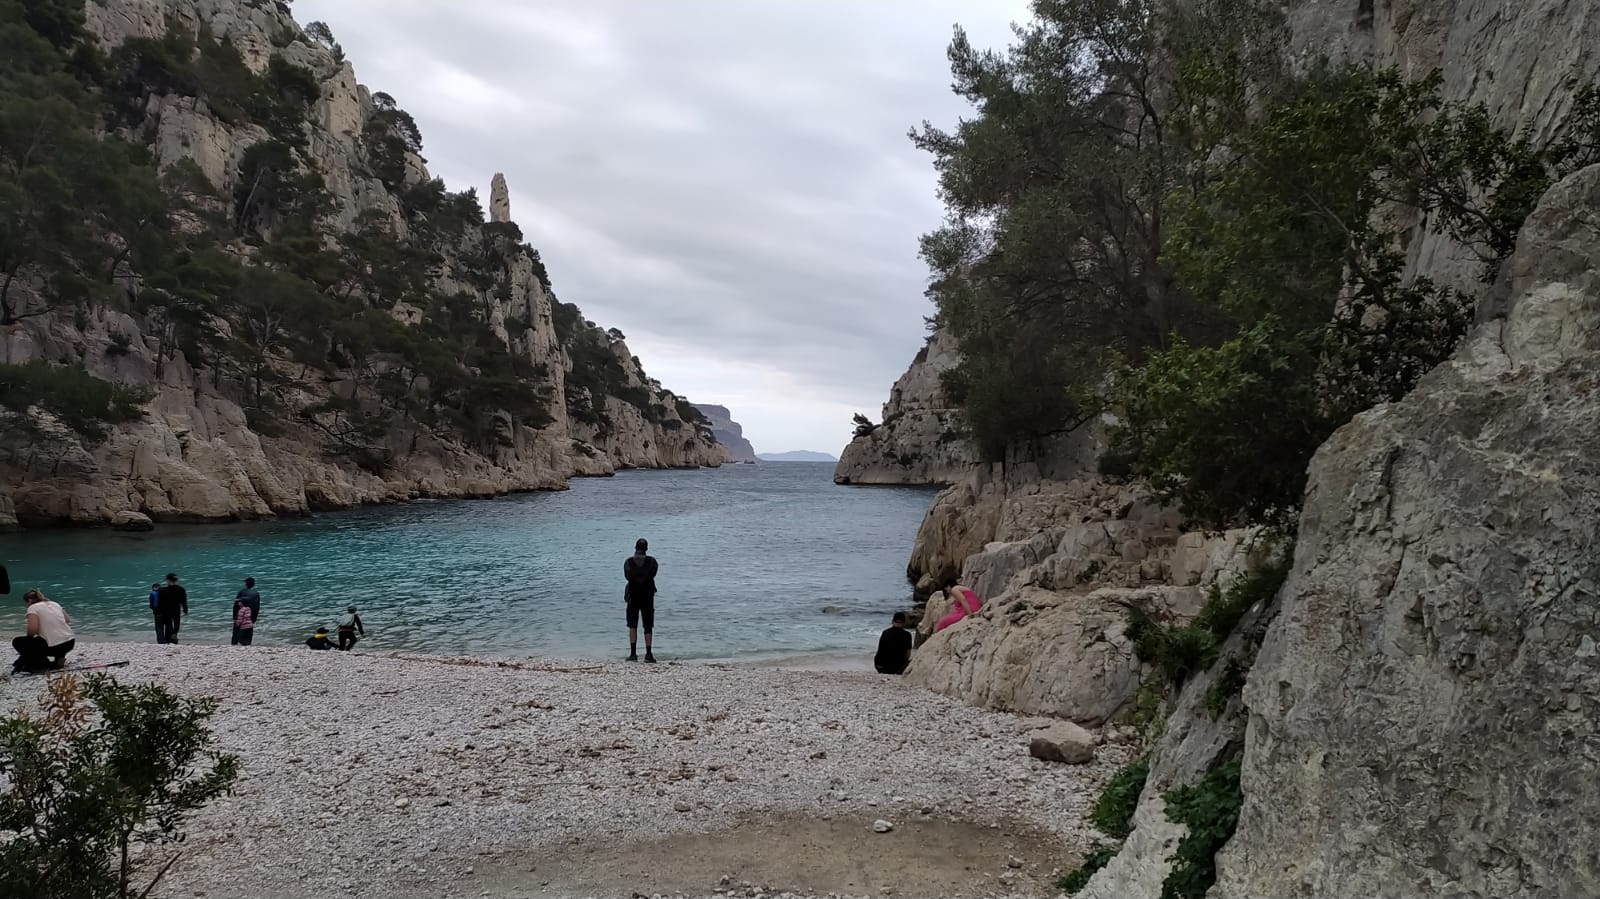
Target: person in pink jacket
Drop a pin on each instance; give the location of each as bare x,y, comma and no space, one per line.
964,601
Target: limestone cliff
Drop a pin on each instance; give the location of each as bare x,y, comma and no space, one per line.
728,432
1446,565
1437,619
916,442
198,454
1067,562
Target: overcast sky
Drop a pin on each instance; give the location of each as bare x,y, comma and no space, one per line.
727,181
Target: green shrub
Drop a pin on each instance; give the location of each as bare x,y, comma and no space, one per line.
1095,859
105,767
1113,811
82,402
1229,683
1180,651
1210,809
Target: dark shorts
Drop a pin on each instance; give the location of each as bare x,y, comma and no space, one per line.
646,610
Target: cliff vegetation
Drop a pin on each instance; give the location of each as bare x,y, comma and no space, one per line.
206,202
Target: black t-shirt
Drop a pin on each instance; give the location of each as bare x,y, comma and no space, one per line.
172,599
640,570
894,651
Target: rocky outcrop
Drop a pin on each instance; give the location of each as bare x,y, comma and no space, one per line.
1435,655
1072,560
499,199
728,432
196,455
1522,61
917,441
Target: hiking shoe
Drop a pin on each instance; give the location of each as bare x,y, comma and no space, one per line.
649,657
633,657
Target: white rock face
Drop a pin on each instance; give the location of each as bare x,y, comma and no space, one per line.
1419,705
1522,61
916,441
499,199
195,456
728,432
1050,639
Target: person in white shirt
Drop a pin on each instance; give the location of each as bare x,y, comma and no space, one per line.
49,636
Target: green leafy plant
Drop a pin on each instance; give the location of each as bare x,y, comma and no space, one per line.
1210,809
104,767
1113,811
1228,684
1096,858
1179,651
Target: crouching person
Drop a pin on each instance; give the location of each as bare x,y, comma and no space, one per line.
49,637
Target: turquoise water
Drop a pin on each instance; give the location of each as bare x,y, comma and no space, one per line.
750,555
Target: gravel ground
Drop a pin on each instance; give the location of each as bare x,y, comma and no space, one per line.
366,775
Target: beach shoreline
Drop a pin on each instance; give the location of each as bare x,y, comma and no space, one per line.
433,776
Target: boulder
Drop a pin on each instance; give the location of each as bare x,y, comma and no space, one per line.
1424,711
1038,652
132,521
1063,742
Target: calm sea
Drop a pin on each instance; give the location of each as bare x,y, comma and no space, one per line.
750,555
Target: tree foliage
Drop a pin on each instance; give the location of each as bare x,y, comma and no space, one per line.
1149,213
80,401
103,768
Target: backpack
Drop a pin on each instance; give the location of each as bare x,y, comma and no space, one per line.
242,619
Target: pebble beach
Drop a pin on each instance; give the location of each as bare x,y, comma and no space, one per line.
369,775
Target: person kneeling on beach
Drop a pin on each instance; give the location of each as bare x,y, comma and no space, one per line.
319,640
49,636
894,647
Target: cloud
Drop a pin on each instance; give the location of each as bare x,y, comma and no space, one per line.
727,181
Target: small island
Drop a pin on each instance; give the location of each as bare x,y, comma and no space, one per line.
797,456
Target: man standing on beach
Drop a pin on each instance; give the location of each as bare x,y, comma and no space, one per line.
172,603
640,595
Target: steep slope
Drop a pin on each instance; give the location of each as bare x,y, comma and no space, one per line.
1433,624
728,432
1446,565
255,407
916,441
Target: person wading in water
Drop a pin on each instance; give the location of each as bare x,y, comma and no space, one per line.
640,595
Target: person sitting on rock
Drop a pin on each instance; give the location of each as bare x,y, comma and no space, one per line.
49,637
965,602
319,640
894,647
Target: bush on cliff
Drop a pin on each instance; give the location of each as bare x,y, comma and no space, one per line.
106,767
1210,810
1113,811
79,400
1179,651
1148,212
